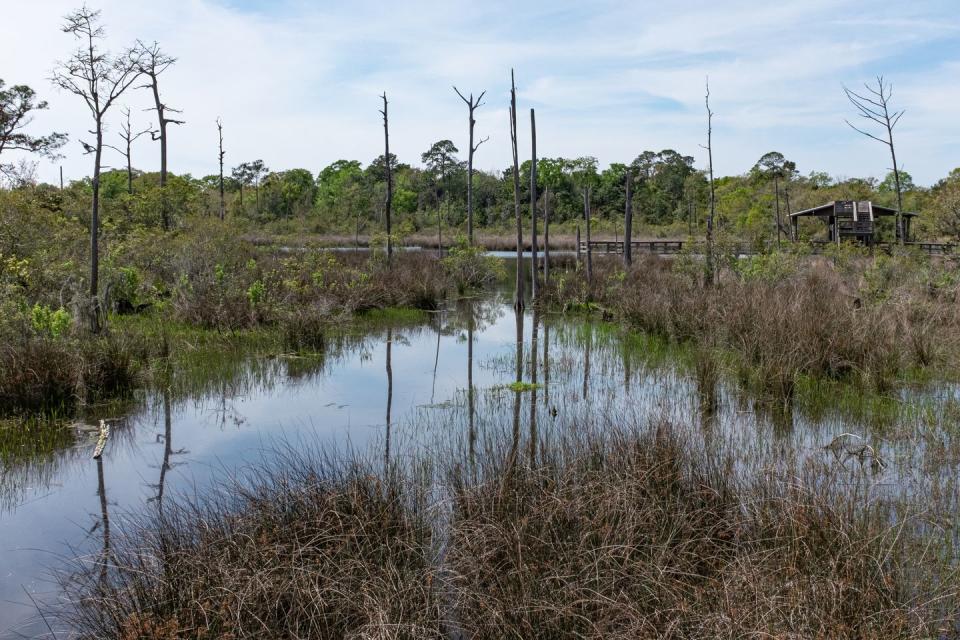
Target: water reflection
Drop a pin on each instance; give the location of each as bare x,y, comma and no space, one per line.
533,389
104,523
456,376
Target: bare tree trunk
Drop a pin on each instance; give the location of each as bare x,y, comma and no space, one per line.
534,262
876,108
586,215
472,105
713,208
129,160
546,237
223,206
95,234
776,188
440,206
386,161
901,239
518,301
628,223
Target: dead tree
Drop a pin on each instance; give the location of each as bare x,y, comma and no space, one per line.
153,62
628,222
472,105
223,207
99,78
518,293
874,105
128,137
533,207
386,167
713,201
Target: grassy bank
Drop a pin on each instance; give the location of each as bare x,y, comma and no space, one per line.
51,363
777,319
627,534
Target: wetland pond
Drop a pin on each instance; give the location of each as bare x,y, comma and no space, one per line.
406,379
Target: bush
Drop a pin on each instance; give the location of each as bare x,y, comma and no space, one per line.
470,267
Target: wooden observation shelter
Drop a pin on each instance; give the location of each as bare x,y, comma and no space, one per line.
853,220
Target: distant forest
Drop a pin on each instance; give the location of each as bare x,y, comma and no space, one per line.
670,197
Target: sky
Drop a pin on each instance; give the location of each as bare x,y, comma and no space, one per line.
297,83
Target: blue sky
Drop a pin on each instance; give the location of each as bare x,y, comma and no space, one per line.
297,83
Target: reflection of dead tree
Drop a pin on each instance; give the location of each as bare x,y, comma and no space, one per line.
472,435
104,519
436,359
586,362
386,450
533,390
168,452
515,442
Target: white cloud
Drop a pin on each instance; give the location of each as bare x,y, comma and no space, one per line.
298,85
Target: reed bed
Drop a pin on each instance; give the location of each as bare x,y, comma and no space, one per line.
629,533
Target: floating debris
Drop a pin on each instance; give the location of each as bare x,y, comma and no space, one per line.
102,439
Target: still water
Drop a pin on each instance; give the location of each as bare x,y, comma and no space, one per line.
401,383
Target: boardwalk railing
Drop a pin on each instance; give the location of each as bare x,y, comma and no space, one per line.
672,247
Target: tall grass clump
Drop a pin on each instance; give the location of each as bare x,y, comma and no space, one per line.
781,316
315,549
48,367
626,534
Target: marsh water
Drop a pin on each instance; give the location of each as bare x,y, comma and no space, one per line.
407,379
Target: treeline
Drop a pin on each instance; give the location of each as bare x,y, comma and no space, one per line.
670,196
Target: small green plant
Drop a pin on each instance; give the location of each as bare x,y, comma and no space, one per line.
256,292
49,322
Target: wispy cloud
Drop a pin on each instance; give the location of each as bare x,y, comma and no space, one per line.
296,82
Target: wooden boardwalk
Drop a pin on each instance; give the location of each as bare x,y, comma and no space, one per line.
673,247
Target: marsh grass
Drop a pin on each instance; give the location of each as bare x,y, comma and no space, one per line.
628,533
873,322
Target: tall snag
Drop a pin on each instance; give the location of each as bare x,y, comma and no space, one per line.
223,207
533,206
875,107
472,105
518,300
628,221
152,63
388,204
99,78
709,272
128,137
